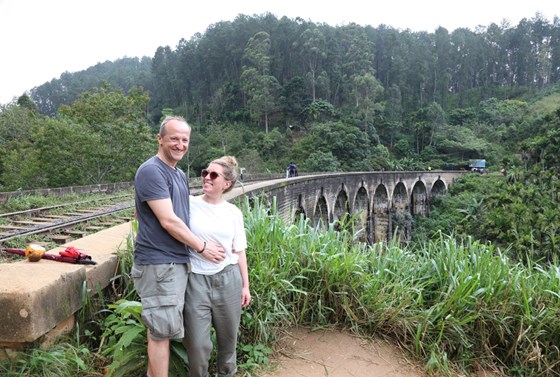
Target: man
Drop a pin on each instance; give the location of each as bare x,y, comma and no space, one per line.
161,261
291,171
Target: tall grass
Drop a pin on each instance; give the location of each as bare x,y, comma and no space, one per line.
455,305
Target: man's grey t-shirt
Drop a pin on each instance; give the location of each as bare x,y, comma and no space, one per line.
156,180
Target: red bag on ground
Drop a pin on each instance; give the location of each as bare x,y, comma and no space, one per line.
72,252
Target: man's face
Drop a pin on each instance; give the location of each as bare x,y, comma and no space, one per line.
175,142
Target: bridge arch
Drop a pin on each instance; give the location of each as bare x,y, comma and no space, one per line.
380,216
341,206
399,199
361,211
419,200
400,220
438,188
300,208
321,213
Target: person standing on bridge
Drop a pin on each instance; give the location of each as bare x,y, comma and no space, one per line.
161,251
216,293
291,170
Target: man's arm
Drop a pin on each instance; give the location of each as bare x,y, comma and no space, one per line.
163,209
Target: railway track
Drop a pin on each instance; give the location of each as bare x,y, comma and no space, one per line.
64,222
59,224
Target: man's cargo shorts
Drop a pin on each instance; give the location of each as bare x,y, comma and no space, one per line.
161,288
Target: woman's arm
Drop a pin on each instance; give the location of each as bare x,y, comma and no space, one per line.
245,292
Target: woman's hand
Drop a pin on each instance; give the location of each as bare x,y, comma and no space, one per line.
245,297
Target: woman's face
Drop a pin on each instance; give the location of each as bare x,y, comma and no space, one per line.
213,181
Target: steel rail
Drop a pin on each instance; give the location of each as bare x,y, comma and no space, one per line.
67,223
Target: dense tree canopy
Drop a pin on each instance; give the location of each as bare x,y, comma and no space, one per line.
102,137
361,97
456,68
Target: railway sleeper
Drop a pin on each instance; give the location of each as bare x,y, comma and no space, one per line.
60,239
77,233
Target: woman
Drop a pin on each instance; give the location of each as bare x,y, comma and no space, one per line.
216,291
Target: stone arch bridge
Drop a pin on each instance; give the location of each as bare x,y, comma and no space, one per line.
381,203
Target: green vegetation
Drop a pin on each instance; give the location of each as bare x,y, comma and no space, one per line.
458,306
269,91
102,138
518,212
26,202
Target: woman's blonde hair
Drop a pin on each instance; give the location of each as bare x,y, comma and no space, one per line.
230,165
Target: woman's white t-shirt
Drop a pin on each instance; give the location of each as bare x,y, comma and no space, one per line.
220,223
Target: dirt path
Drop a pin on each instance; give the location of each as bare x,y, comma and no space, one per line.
302,353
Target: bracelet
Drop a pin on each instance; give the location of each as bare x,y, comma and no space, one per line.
203,248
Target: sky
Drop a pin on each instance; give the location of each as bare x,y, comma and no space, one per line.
41,39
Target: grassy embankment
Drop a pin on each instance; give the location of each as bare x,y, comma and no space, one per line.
456,306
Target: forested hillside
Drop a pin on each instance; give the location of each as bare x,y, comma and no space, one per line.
269,90
351,67
124,73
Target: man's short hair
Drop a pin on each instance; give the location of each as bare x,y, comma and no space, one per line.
168,118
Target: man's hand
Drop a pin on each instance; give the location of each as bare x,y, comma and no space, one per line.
214,252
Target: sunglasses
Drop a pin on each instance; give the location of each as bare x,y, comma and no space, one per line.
213,174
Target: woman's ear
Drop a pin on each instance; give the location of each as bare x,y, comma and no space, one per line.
228,185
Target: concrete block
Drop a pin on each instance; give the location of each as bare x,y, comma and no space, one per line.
37,297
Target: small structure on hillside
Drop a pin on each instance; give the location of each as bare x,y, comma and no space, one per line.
477,166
